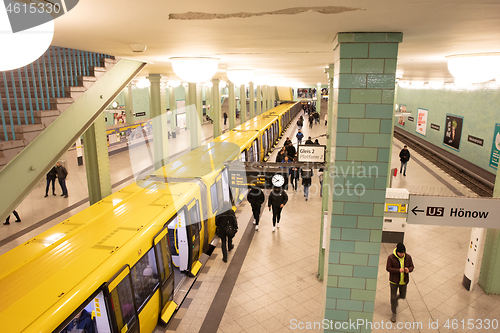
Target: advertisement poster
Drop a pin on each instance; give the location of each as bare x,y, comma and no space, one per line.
421,121
401,121
453,131
495,148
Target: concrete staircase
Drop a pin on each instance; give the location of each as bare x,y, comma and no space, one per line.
24,128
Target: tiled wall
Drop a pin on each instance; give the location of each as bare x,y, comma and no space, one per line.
364,79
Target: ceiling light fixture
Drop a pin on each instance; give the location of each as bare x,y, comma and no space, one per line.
436,84
143,83
240,76
174,83
22,48
196,69
475,67
417,84
261,80
404,84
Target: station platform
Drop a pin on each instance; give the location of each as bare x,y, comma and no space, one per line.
269,283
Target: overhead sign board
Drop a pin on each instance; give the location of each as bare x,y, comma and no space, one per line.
265,179
456,211
311,153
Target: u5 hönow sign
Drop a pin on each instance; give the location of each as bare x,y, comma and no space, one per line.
459,212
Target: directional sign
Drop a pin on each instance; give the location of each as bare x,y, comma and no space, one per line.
311,153
460,212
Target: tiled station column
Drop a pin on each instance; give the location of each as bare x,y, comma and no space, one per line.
363,97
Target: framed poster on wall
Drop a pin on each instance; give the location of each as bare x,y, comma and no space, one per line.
453,131
401,120
421,127
495,147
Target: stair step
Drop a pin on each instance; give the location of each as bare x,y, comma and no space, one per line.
11,148
23,132
44,117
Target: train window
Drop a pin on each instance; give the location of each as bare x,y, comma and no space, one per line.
144,278
92,317
178,221
264,141
122,304
225,186
243,156
213,195
220,194
165,266
250,154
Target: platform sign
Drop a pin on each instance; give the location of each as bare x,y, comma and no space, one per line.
311,153
454,211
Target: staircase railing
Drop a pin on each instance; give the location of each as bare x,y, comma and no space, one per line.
30,88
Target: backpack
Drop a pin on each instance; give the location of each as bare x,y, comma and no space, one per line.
230,231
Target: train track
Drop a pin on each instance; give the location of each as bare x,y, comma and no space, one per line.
468,181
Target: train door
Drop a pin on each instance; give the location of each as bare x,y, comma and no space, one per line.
264,143
194,229
256,150
165,274
121,298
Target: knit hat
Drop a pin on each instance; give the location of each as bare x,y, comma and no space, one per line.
400,248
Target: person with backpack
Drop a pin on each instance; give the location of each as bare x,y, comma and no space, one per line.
300,123
306,174
299,136
256,198
227,227
277,200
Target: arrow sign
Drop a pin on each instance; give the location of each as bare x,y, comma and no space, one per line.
414,210
455,211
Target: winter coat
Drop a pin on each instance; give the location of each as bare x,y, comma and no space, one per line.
222,219
299,136
291,151
61,172
404,155
306,175
84,322
276,199
52,174
256,197
393,266
320,176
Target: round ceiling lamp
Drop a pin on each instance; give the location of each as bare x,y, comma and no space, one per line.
404,84
22,48
240,76
474,68
195,69
436,84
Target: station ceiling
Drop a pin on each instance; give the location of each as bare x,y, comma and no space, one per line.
286,39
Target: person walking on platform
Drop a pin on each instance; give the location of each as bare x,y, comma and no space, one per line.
399,265
309,141
294,176
256,198
290,150
287,142
281,155
326,119
311,121
299,136
227,226
277,200
51,177
300,123
225,117
62,173
404,156
18,219
306,174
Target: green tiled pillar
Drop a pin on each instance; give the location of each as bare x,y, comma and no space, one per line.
489,277
129,112
97,160
363,97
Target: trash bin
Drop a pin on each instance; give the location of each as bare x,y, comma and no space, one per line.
173,135
177,130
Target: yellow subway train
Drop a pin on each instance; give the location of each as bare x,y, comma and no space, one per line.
118,260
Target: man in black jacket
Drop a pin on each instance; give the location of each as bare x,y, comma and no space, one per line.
62,173
277,200
399,265
256,199
404,156
51,178
224,217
